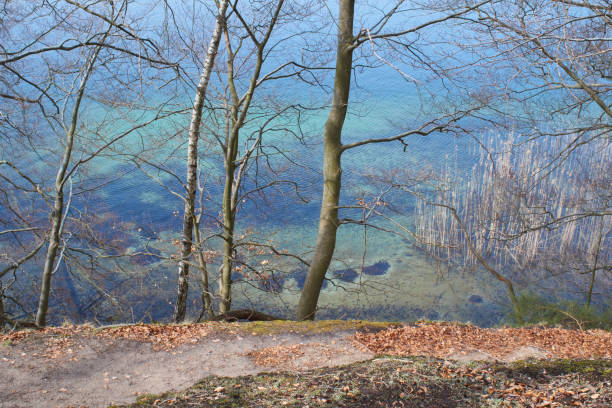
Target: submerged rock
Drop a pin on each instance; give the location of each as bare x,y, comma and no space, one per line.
379,268
475,299
299,275
346,275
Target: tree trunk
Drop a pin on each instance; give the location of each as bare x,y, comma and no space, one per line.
192,166
332,170
206,298
56,219
594,270
54,239
518,312
2,319
239,109
229,218
58,205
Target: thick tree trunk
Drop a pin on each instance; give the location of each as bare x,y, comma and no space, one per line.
332,170
192,166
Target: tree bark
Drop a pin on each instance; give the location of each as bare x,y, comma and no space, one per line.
229,218
192,166
332,170
206,298
54,239
2,319
594,270
239,109
518,312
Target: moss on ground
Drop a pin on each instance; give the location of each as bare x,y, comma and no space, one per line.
312,327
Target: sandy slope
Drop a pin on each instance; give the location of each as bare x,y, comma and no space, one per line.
95,371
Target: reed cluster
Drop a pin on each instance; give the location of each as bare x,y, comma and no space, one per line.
534,209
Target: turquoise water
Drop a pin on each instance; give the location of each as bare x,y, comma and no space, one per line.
408,286
374,274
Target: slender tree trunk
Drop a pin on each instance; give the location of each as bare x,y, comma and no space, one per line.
54,240
239,110
192,166
2,318
58,212
518,312
206,299
332,170
594,270
229,222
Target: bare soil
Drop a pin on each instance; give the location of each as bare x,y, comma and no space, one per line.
303,364
92,370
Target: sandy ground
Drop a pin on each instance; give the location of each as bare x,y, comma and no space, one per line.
93,371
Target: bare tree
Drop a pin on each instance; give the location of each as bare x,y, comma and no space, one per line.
550,72
47,79
241,113
62,177
192,170
333,146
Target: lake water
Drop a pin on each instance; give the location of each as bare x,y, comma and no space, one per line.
374,275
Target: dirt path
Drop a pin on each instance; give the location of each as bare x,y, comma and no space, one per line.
95,371
82,366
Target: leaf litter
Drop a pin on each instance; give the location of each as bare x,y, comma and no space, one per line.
403,382
440,339
415,370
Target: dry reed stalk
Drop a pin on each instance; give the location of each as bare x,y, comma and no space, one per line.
510,203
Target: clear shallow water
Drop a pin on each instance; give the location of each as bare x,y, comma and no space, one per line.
409,286
386,278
